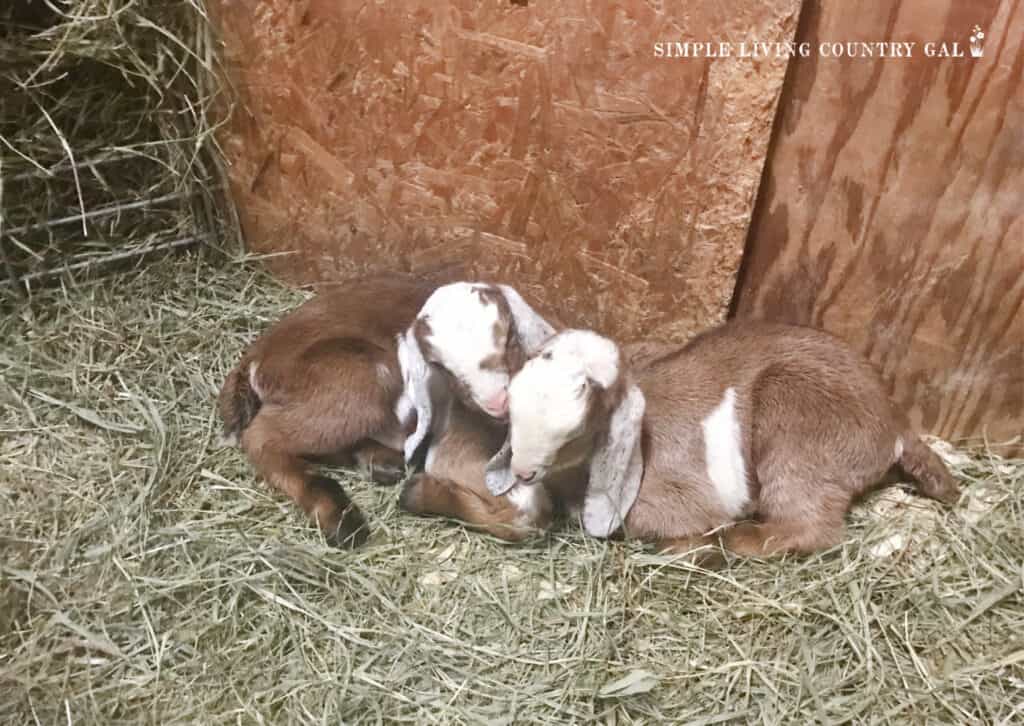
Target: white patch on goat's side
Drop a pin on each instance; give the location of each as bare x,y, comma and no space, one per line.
252,379
899,448
723,453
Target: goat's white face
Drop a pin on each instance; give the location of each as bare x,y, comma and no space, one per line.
464,329
551,400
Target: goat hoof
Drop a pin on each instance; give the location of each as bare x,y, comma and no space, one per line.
411,497
709,559
351,532
343,525
948,495
380,465
386,474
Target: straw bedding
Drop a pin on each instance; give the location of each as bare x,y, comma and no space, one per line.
147,577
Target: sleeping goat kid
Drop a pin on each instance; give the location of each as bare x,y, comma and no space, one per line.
768,431
463,440
346,379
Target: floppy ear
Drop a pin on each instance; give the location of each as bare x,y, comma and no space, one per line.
616,468
498,475
417,378
533,330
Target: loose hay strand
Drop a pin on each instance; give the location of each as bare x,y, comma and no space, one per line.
148,576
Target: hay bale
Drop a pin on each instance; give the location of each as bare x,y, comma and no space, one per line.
106,148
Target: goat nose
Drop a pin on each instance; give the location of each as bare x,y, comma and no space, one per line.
498,404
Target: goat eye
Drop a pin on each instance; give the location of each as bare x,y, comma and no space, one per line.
546,355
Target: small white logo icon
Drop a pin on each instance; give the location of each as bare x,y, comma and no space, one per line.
976,37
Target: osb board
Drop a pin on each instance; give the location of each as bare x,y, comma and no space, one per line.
892,208
545,145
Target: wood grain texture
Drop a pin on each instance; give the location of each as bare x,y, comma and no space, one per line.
891,211
544,145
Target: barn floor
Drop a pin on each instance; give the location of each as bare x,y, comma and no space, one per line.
146,577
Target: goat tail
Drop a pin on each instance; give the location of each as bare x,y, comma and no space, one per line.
933,478
237,403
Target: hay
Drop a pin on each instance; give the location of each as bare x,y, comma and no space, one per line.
147,578
106,144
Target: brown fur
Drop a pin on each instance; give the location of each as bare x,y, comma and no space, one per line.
327,380
453,485
504,331
818,426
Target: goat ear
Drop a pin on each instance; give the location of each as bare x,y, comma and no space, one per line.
616,468
417,383
533,330
498,474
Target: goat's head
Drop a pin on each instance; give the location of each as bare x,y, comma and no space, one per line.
570,404
472,337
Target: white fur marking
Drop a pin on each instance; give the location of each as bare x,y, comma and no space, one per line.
527,498
545,399
404,409
252,380
899,448
462,332
723,453
416,389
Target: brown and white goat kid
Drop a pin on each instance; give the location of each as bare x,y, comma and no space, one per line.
765,432
463,439
345,379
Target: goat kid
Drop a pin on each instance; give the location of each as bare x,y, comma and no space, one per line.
343,379
462,439
762,433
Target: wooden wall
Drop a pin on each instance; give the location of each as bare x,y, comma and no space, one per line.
892,211
540,142
545,144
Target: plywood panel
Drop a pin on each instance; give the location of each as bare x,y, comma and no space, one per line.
544,144
891,212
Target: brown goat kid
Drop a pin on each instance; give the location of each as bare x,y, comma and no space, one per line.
464,438
368,372
322,385
459,462
760,434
